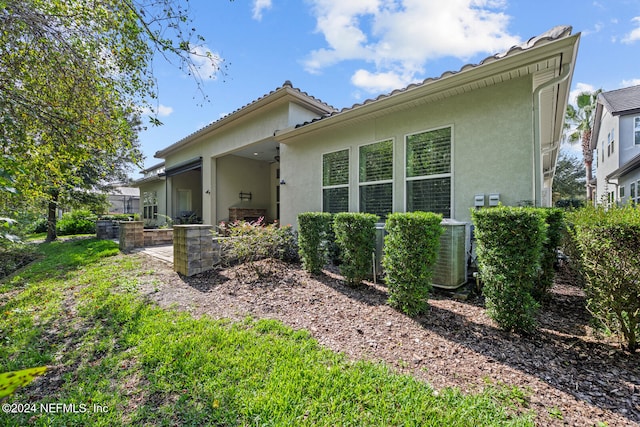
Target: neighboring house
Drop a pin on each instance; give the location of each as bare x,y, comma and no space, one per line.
616,143
488,133
123,199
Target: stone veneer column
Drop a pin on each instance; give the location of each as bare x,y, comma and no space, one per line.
192,249
131,235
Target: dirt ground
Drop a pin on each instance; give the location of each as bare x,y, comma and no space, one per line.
570,375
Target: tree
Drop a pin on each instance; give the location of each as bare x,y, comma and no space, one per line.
569,180
579,122
72,74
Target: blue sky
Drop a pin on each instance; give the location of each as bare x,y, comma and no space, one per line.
346,51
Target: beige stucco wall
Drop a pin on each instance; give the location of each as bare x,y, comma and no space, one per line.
492,150
224,175
235,174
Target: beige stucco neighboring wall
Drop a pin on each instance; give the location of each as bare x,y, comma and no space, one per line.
492,149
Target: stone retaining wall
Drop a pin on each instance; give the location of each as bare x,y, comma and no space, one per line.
159,236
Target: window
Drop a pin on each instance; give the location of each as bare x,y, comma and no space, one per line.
636,130
428,171
632,191
613,141
150,204
376,178
637,196
335,181
621,191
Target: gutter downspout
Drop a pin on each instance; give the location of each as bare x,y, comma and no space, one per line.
537,145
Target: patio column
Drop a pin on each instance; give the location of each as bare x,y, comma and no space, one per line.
131,235
192,249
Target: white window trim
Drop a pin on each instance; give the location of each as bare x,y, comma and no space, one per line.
437,176
329,187
385,181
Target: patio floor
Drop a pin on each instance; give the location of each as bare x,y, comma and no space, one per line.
163,252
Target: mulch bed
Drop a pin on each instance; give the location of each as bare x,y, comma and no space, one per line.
570,374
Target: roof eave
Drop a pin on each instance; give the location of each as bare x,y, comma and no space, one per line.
450,80
283,93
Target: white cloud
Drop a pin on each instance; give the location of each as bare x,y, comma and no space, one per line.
630,82
634,35
164,111
398,37
258,7
160,111
206,62
379,82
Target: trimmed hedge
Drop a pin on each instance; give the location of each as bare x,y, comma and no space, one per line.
554,218
356,238
510,246
410,252
313,231
608,243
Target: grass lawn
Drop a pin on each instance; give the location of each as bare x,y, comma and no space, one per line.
115,359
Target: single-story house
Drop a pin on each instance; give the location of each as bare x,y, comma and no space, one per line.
487,133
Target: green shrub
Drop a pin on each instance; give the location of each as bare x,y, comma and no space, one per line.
313,232
356,238
76,222
608,243
554,219
510,242
410,252
247,242
37,226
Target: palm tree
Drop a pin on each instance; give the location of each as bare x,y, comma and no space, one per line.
579,121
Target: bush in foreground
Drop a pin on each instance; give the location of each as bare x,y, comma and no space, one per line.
510,243
410,252
356,238
313,232
608,243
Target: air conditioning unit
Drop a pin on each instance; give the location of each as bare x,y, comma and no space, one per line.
450,270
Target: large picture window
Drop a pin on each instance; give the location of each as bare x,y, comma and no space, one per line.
335,181
428,171
376,178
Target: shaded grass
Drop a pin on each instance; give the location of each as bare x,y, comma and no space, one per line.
150,366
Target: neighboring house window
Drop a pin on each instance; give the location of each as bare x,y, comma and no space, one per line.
376,178
637,199
621,191
636,130
613,141
632,192
335,181
428,171
150,204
